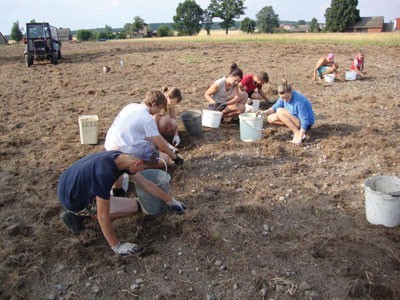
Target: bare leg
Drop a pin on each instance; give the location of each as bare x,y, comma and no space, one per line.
167,125
283,117
121,207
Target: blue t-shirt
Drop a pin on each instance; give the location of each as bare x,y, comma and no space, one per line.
300,107
87,178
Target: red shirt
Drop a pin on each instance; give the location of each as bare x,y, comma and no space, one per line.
248,83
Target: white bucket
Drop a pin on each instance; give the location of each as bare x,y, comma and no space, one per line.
251,127
382,200
211,118
351,75
329,77
88,129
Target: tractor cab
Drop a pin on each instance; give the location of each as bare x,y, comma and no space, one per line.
42,43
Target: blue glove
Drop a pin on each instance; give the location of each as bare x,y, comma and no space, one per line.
178,206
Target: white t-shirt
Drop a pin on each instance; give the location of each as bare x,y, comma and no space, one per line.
222,94
134,122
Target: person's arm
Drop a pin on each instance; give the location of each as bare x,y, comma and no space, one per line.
261,92
235,97
103,216
172,114
151,188
162,145
213,89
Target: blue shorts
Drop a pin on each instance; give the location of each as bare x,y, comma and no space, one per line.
321,71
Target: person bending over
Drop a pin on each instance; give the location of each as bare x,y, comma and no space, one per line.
84,191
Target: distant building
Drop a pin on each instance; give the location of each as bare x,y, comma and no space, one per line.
64,34
397,24
3,40
367,24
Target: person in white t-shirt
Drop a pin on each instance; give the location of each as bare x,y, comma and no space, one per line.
135,122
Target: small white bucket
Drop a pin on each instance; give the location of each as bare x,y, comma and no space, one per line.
329,77
251,127
351,75
88,129
211,118
382,200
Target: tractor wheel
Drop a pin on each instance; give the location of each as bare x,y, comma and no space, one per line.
28,60
54,58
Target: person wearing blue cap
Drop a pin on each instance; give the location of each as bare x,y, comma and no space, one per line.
84,191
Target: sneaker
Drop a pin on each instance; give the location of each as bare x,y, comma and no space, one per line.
73,222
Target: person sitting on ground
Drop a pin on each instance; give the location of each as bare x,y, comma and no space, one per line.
224,94
326,65
358,64
84,191
166,120
292,110
135,122
250,83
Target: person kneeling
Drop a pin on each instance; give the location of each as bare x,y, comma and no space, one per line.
84,191
292,110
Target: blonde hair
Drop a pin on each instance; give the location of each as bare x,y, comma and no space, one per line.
172,93
284,87
155,96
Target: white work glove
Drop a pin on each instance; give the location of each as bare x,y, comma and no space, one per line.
179,207
126,249
176,140
172,148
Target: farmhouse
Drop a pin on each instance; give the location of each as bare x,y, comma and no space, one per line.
367,24
3,40
64,34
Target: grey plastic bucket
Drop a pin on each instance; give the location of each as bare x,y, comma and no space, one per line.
149,204
192,121
382,200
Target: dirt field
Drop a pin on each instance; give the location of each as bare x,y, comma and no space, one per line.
265,220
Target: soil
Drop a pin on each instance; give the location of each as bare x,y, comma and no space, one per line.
265,220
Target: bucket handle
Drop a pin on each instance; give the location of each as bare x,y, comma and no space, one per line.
166,168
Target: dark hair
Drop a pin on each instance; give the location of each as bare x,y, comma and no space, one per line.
263,76
172,93
236,71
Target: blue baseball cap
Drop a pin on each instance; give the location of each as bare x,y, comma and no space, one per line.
143,150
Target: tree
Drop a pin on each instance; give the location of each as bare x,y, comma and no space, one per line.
227,10
127,30
247,25
138,24
267,20
107,33
84,35
301,22
164,30
16,33
341,14
314,26
188,18
207,20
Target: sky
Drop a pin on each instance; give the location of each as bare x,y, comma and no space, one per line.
88,14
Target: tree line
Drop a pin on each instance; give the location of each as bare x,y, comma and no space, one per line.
190,18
